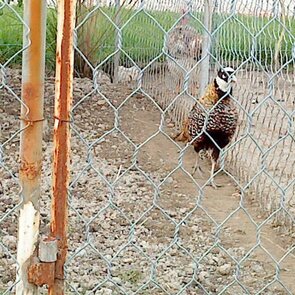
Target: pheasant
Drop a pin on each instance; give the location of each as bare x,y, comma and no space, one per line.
213,134
184,45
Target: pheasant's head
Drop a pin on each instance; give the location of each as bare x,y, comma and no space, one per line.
225,77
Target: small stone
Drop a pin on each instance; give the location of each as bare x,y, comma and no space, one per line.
202,276
224,269
169,180
81,253
6,201
211,262
127,260
104,291
10,284
257,268
101,102
117,280
9,241
220,261
215,259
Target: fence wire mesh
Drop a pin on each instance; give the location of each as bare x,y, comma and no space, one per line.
149,226
10,95
139,221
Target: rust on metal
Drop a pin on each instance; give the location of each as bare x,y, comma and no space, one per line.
32,96
63,101
48,239
30,170
34,63
62,120
41,274
33,69
31,122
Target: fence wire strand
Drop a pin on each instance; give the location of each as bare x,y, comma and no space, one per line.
139,221
258,162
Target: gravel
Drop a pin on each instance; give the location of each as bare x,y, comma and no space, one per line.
123,237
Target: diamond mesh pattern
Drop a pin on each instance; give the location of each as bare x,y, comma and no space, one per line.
151,227
139,221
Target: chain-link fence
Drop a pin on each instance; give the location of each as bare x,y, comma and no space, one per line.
11,22
151,227
139,221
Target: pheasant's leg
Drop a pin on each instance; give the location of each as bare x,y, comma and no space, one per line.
213,165
197,166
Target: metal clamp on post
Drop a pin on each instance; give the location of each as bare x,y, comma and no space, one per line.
42,270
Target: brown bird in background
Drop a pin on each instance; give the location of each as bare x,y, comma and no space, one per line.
184,46
215,132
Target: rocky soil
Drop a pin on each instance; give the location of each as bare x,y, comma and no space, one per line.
139,223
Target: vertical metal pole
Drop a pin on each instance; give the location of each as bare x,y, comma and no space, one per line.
117,55
33,68
205,64
63,101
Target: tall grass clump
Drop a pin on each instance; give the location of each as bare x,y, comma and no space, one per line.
51,31
98,38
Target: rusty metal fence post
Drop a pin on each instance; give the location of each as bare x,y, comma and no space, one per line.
33,68
63,100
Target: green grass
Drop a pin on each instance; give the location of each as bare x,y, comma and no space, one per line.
132,276
143,39
10,36
235,38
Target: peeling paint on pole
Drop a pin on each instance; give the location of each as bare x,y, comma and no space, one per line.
31,138
29,220
63,101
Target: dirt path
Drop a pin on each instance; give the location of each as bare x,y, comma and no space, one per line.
206,215
235,231
153,223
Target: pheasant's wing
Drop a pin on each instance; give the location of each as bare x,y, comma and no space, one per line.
196,120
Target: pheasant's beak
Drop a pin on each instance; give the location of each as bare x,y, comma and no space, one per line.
234,79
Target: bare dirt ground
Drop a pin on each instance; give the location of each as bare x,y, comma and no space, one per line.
138,221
